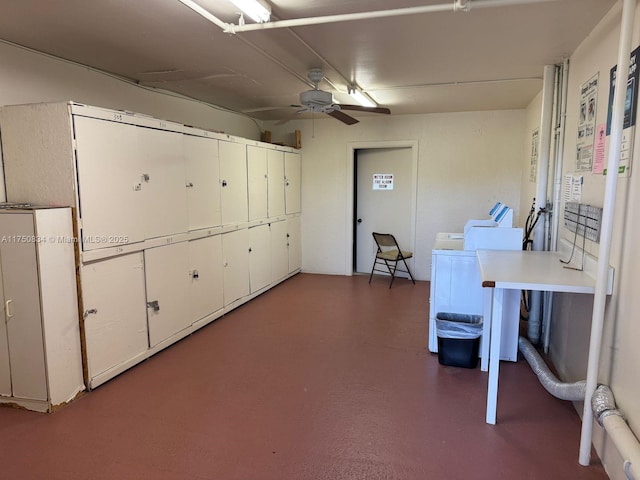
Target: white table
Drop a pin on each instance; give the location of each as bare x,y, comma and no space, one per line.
502,270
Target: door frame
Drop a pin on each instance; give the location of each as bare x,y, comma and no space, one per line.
350,201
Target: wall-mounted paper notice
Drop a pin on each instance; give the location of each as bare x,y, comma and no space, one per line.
566,187
383,181
598,156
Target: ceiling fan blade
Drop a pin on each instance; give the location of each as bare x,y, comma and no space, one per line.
343,117
359,108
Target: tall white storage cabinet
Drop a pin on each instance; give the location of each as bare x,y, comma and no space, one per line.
40,355
166,216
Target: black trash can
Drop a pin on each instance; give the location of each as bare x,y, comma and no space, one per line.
458,339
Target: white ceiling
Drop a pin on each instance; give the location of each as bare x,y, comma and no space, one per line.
484,59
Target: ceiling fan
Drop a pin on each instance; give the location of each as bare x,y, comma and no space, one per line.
319,101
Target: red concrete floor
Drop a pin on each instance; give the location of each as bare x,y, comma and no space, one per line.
323,377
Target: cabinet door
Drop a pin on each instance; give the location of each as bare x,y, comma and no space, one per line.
233,181
259,257
168,280
279,250
5,370
205,291
164,184
115,320
235,254
292,182
275,166
294,243
202,181
257,178
110,169
22,308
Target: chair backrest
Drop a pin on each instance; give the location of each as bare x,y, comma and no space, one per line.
385,240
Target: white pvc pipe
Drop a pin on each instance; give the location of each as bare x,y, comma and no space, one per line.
557,187
608,209
205,13
625,442
603,405
557,190
546,117
453,6
346,17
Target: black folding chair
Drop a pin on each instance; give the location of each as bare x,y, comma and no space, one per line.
390,255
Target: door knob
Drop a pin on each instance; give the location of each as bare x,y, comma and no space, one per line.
359,220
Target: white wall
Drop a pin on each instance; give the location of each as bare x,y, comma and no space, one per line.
466,162
30,77
620,355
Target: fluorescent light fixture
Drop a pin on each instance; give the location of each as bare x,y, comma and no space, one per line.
362,98
257,10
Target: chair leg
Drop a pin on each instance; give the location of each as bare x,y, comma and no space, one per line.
408,271
392,271
375,260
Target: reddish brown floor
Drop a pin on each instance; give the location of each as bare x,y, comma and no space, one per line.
322,377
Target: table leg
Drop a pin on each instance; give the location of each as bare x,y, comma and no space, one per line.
494,354
487,302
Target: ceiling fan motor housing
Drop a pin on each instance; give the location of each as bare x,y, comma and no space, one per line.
312,98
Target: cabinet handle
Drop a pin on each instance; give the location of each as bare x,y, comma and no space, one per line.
7,309
86,313
189,185
195,274
154,304
224,183
146,177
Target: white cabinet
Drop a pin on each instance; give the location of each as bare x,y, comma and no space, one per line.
279,250
173,227
40,355
115,317
275,173
258,182
202,181
233,182
285,248
206,276
168,280
235,254
163,182
294,244
110,169
292,182
259,257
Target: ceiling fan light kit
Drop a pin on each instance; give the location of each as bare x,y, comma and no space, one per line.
257,10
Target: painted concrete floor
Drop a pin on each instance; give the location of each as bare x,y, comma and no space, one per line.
323,377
